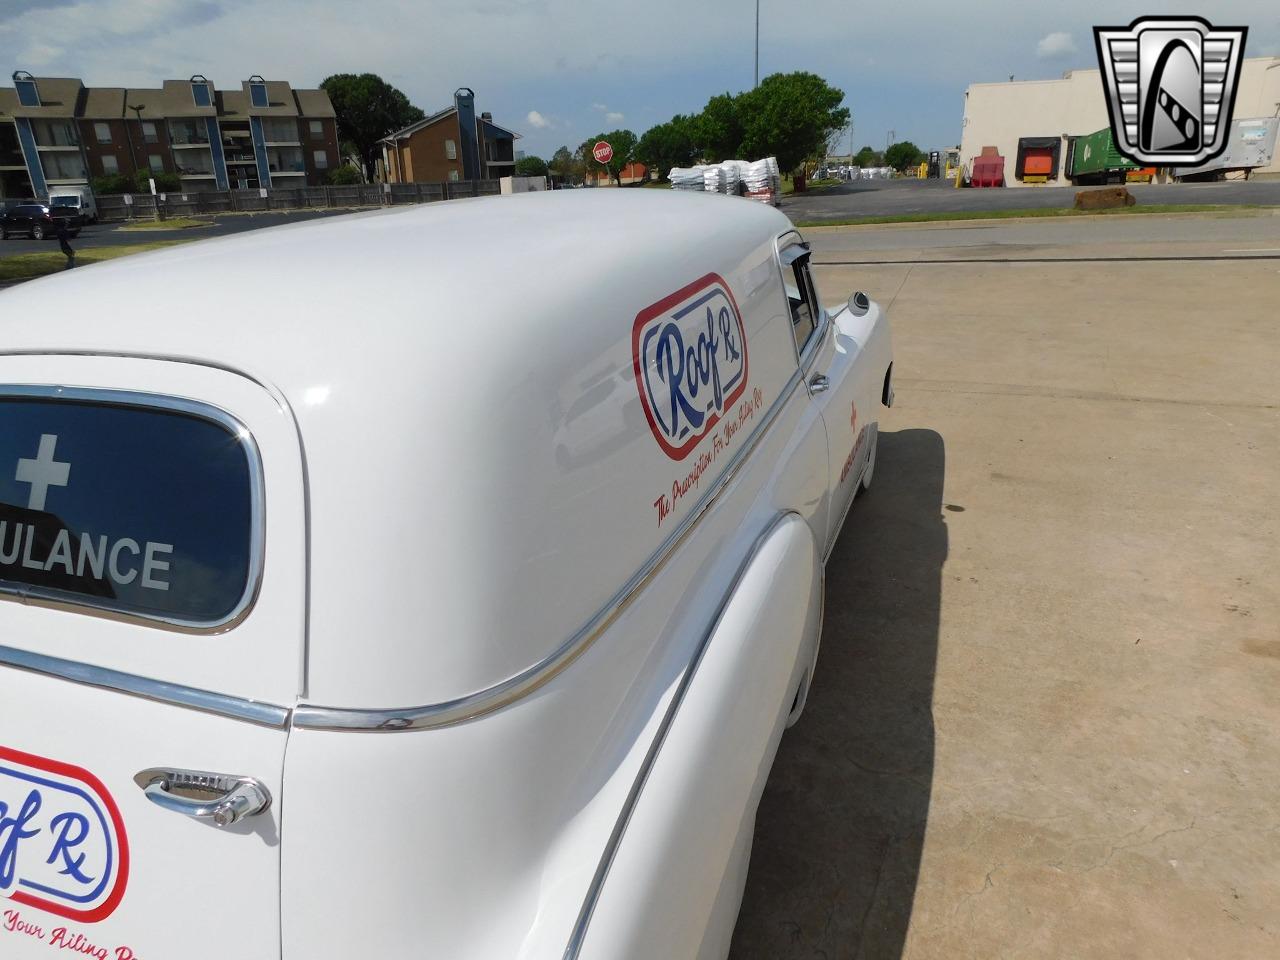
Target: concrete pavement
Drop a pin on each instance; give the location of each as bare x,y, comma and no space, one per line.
1044,722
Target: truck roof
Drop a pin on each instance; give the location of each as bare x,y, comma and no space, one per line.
461,378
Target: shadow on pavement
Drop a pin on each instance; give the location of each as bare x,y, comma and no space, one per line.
841,824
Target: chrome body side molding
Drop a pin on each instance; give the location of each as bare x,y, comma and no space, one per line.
251,711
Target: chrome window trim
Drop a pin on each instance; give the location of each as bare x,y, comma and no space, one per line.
60,600
315,717
236,708
605,864
805,358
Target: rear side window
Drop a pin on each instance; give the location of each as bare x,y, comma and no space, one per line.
803,303
148,510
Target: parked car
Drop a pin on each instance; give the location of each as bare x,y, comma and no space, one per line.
75,198
311,642
37,220
8,203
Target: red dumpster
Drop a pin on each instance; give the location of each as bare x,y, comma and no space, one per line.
987,170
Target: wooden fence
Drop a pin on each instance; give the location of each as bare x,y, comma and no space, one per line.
145,206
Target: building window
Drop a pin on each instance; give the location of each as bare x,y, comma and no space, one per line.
156,163
453,175
28,95
286,160
102,131
321,158
109,164
63,166
450,150
200,92
149,132
10,151
317,130
258,92
55,133
194,163
279,131
183,132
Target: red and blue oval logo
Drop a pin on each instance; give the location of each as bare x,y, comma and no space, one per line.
690,356
62,843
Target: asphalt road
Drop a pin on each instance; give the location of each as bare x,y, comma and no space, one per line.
862,198
112,234
869,198
1243,233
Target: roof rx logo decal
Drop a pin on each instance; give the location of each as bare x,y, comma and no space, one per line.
62,843
690,357
1171,86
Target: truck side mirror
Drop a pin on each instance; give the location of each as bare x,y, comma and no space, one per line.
859,304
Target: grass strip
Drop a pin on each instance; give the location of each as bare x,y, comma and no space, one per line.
173,223
948,215
28,266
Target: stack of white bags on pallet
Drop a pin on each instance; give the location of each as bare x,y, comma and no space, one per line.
687,178
714,179
763,181
760,180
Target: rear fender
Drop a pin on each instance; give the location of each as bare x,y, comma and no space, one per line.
673,885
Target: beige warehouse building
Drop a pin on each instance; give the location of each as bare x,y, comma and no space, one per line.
1002,114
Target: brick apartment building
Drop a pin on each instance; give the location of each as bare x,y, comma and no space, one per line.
57,132
453,144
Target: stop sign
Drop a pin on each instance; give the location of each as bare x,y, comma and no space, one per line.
602,152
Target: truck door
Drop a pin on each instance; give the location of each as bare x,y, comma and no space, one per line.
151,640
829,360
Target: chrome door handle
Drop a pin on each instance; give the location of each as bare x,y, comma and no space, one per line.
219,797
819,384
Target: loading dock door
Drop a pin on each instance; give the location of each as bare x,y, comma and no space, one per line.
1038,159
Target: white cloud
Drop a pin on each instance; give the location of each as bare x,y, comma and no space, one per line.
537,120
599,106
1055,45
613,117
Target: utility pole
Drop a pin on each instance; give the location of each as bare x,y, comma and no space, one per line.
757,83
889,140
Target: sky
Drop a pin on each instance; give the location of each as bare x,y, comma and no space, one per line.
561,71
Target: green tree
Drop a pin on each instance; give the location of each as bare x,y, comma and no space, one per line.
718,130
668,145
902,155
624,148
531,167
368,109
790,116
345,176
866,157
563,164
110,184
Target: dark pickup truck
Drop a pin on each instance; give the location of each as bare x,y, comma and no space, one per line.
37,220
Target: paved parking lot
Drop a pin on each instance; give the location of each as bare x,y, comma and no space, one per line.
870,198
1045,718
